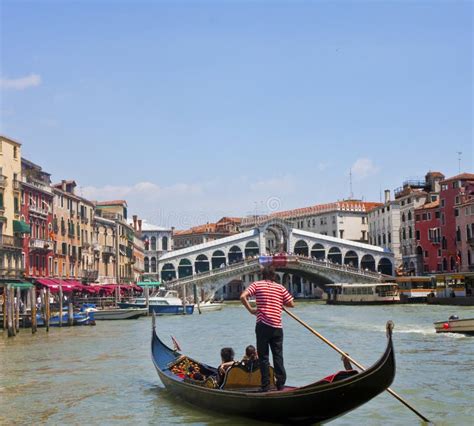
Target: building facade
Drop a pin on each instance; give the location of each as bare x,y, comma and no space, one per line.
157,240
104,247
37,212
451,196
203,233
384,227
116,211
412,195
12,229
428,238
465,231
73,219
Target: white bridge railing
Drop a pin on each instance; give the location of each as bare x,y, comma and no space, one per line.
253,265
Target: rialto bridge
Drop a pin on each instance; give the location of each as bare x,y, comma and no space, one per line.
319,258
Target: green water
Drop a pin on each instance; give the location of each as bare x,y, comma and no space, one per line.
104,375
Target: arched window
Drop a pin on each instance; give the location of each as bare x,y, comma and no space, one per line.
403,217
153,264
147,264
153,243
164,243
410,232
409,214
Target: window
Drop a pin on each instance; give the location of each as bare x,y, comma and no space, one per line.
15,152
424,216
417,217
409,215
341,234
389,237
442,219
1,200
426,254
429,216
456,212
417,234
456,199
442,202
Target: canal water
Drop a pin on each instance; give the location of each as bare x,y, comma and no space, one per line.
104,375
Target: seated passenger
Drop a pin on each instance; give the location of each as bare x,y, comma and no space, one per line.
227,358
250,354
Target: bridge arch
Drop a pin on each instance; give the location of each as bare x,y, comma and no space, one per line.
385,266
185,268
168,272
368,262
235,254
301,248
251,249
335,255
280,229
218,258
318,251
351,258
201,264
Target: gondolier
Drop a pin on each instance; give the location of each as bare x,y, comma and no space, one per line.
270,297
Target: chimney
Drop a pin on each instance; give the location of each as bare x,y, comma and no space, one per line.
387,195
134,217
63,185
139,225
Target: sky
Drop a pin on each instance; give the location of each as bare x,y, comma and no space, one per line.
192,110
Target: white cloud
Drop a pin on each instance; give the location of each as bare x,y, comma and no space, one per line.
20,83
276,185
364,167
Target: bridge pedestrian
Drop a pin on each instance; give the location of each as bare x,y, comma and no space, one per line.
270,297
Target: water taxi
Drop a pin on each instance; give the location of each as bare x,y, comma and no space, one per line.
415,289
362,294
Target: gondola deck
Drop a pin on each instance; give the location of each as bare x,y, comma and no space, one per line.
312,403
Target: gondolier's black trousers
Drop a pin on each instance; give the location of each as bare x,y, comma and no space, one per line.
270,338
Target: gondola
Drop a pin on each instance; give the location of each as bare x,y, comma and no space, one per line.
317,402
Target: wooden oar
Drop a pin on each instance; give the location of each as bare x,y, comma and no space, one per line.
390,391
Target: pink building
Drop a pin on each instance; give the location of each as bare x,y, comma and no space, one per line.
465,228
452,189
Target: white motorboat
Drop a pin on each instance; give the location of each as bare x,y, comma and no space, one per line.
165,302
117,313
209,306
455,325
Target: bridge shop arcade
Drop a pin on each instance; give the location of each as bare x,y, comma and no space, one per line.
223,267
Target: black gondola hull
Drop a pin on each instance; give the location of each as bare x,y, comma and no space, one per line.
308,404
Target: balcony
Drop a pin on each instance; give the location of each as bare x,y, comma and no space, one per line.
96,247
39,244
38,210
3,181
84,220
85,245
108,250
16,185
8,241
90,275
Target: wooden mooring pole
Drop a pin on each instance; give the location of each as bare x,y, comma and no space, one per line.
47,310
70,313
17,309
184,299
5,325
147,299
60,304
33,310
11,311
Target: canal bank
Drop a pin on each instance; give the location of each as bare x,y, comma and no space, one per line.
104,374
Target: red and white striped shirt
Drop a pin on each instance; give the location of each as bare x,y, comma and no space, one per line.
270,297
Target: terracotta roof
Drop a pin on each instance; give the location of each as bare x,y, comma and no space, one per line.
230,219
462,176
439,174
349,205
111,203
427,206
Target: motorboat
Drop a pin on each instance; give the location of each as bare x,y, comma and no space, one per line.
455,325
164,302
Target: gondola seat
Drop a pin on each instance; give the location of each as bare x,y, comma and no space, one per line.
244,375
